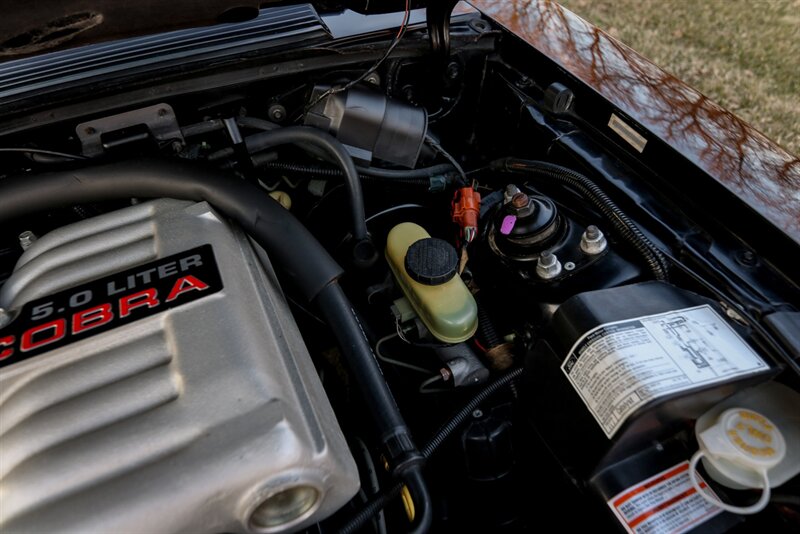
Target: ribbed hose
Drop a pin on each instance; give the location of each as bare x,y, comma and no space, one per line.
375,505
379,501
465,412
486,329
616,217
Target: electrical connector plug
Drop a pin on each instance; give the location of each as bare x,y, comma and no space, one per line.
466,209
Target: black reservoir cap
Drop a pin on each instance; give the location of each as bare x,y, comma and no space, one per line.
431,261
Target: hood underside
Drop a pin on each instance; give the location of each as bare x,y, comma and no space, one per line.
33,28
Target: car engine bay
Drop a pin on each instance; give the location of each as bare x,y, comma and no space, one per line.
463,308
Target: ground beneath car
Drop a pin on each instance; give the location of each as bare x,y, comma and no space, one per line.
744,54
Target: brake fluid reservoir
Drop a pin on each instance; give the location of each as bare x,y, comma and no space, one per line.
426,269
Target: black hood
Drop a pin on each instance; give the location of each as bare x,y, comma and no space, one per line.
34,27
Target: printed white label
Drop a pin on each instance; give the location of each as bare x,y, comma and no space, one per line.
663,504
618,367
625,131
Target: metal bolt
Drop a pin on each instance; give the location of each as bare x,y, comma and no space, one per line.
548,266
522,205
26,239
547,259
446,374
373,78
593,241
520,200
748,257
569,266
509,193
477,414
524,82
276,112
733,314
89,130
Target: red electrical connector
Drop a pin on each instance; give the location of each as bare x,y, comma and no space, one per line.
466,211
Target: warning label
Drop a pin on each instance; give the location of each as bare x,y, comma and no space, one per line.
618,367
664,504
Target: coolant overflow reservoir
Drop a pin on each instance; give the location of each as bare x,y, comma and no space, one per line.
426,269
751,440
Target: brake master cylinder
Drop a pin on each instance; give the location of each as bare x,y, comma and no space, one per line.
426,269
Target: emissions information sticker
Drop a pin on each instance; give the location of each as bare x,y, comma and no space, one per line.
663,504
618,367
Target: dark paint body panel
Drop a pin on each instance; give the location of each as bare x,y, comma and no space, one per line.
758,171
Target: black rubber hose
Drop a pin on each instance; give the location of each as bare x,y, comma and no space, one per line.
389,174
305,135
616,217
424,172
272,135
344,323
288,242
307,264
254,123
423,508
319,171
404,457
379,501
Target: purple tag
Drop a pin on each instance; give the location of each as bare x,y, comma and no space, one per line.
508,224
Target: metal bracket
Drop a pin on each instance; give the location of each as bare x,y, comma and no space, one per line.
438,16
159,121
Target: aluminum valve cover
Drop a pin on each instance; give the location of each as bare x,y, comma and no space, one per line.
183,418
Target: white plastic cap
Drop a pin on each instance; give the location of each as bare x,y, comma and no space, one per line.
742,445
746,439
753,447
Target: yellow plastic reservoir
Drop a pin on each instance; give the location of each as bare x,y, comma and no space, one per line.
427,271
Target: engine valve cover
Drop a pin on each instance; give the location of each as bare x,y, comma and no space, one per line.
155,381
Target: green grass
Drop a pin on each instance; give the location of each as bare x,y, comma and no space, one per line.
744,54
